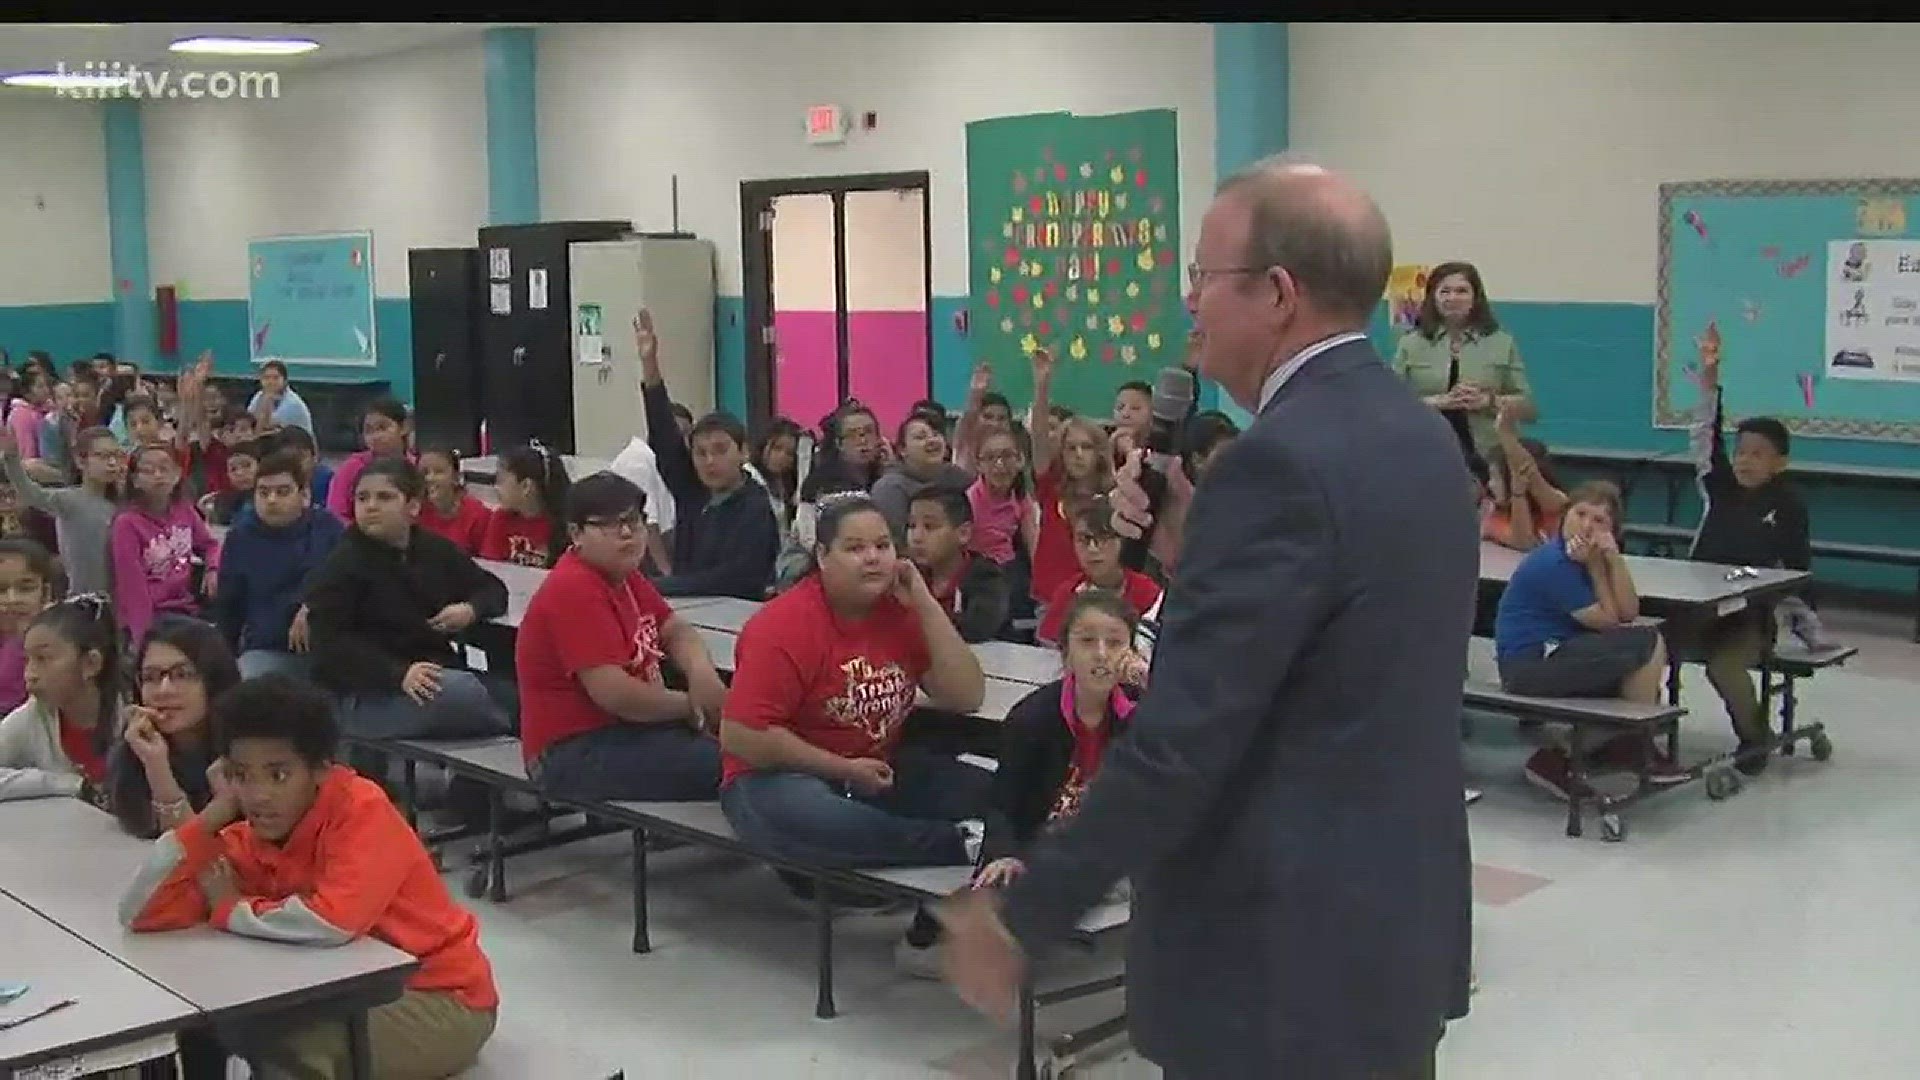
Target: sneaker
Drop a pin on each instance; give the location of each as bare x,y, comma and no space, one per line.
1549,770
917,961
1472,795
1751,761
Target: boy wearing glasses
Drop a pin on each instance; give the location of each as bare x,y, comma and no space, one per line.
1097,547
597,719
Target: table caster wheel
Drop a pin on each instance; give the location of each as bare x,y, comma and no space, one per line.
1612,829
1721,784
477,883
1820,746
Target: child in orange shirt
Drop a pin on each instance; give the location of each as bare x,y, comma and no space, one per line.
1526,499
298,849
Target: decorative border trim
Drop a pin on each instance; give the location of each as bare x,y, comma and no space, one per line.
1665,415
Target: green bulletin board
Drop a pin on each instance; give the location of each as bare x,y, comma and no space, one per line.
1073,225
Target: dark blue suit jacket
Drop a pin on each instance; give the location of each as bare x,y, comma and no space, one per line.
1287,798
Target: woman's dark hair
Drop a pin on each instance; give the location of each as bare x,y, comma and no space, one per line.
548,472
604,495
1101,601
276,706
831,470
275,365
388,406
404,475
1204,434
1480,318
994,397
786,483
936,421
86,622
453,462
206,649
835,509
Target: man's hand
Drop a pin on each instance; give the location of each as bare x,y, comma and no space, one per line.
1133,518
982,960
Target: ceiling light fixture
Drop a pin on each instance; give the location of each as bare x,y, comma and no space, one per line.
239,46
66,80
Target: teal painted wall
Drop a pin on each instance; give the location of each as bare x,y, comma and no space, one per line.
221,325
68,331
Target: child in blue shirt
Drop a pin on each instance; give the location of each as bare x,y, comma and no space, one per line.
1566,627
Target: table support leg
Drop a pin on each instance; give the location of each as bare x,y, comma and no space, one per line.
360,1046
823,1006
1024,1069
641,941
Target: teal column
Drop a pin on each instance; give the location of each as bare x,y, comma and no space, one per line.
1249,112
513,143
135,335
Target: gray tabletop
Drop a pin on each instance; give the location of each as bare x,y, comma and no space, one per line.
523,581
1001,696
728,613
212,969
1673,583
113,1004
484,468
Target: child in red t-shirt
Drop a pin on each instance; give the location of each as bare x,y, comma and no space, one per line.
1098,548
448,509
527,529
597,720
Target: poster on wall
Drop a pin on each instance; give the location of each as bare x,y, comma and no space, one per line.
310,299
1873,310
500,298
499,264
1406,290
1073,225
537,289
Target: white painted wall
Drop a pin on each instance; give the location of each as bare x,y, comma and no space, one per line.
625,107
1536,150
53,201
395,144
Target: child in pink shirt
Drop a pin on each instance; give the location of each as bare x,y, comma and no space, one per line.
384,427
154,541
1003,512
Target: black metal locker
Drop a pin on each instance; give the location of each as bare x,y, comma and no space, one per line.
527,349
443,285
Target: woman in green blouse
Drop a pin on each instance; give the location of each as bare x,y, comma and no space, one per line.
1459,360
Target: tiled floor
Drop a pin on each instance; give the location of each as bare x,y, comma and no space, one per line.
1769,936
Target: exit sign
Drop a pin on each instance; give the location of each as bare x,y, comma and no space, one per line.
826,124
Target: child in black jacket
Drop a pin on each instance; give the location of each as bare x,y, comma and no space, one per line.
724,534
384,611
1055,737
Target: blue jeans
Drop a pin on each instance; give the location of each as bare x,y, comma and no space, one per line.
805,819
257,662
463,709
631,763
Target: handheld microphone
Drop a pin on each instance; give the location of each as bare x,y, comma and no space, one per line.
1173,394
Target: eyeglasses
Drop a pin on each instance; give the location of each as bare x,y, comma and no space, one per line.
1197,275
178,673
628,522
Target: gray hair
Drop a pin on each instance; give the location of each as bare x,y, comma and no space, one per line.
1333,240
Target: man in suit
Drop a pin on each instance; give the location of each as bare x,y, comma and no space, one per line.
1292,826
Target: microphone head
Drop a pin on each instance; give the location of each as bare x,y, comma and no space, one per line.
1173,394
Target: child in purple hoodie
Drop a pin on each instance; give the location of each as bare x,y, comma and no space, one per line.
154,540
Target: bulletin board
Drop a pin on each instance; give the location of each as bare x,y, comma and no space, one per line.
310,299
1073,225
1815,288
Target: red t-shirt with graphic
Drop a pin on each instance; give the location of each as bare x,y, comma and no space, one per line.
579,620
516,538
845,686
